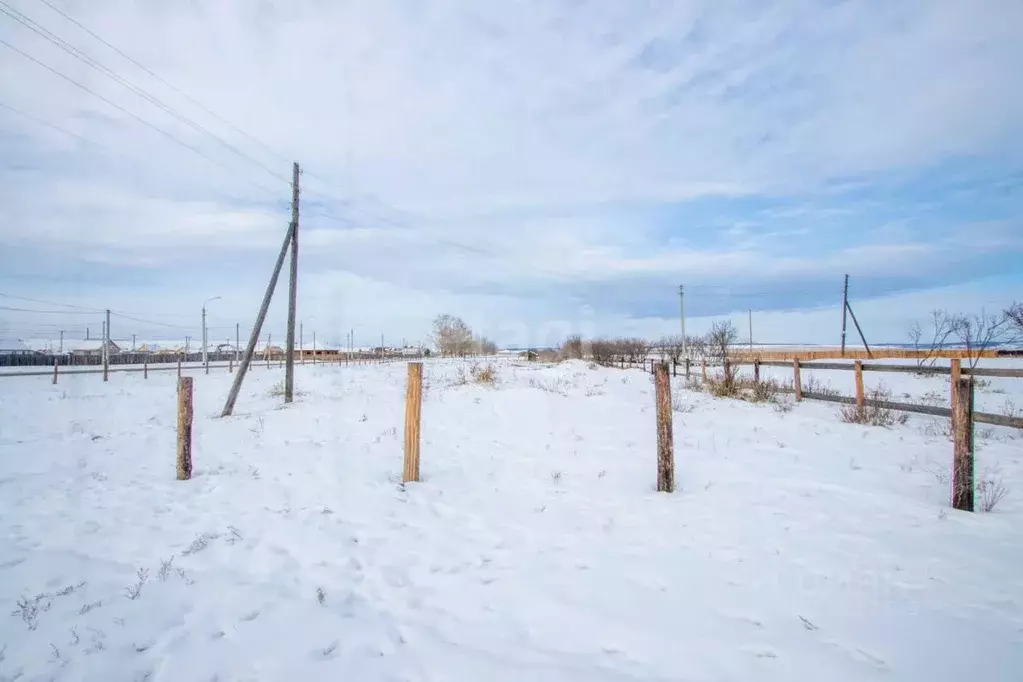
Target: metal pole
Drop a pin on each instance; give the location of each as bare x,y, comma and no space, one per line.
845,307
751,330
61,342
237,338
205,361
682,319
133,343
243,367
289,375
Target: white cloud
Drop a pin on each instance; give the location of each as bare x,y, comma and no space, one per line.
463,115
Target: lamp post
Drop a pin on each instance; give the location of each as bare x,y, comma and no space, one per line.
205,358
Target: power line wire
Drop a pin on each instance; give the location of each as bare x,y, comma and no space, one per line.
109,73
165,82
163,132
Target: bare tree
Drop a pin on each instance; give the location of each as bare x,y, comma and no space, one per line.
671,347
1014,321
452,335
720,340
933,338
696,346
979,332
572,348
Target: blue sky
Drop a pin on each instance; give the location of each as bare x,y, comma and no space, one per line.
539,168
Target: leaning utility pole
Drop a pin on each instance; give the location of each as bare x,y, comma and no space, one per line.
845,310
682,318
243,367
289,372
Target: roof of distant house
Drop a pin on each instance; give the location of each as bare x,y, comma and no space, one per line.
13,344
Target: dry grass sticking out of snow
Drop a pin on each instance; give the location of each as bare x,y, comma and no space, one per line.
797,546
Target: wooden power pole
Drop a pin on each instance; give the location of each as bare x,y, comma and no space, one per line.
289,372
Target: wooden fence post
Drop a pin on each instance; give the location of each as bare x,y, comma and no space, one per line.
145,369
728,373
665,438
703,369
179,368
756,371
55,371
184,428
688,363
230,365
796,384
962,437
413,412
674,367
955,372
858,368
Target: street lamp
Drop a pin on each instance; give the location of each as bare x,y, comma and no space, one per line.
205,358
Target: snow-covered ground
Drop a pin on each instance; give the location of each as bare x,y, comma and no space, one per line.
535,548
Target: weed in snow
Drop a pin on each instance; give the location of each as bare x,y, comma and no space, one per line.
321,596
134,590
556,477
991,489
200,543
89,607
74,636
29,609
682,406
165,568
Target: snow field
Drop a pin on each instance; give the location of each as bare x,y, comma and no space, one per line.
797,547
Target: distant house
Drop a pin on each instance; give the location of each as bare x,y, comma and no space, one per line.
89,348
14,347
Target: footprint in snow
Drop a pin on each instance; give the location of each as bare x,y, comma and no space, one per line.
248,617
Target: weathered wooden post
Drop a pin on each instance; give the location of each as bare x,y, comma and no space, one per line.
728,373
665,437
858,369
674,367
184,428
796,384
962,438
179,368
413,411
230,365
55,371
145,369
955,373
703,369
688,363
756,371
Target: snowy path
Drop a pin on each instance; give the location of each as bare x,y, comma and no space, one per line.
535,548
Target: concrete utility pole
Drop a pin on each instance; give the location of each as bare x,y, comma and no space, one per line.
243,367
237,339
205,336
187,339
106,347
301,342
133,343
62,341
682,318
289,375
845,309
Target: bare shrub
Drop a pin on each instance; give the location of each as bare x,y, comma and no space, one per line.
694,384
990,489
556,477
979,332
603,352
929,341
814,385
277,390
483,374
783,406
1014,321
572,348
165,568
763,391
681,406
452,336
321,596
874,411
720,340
671,348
